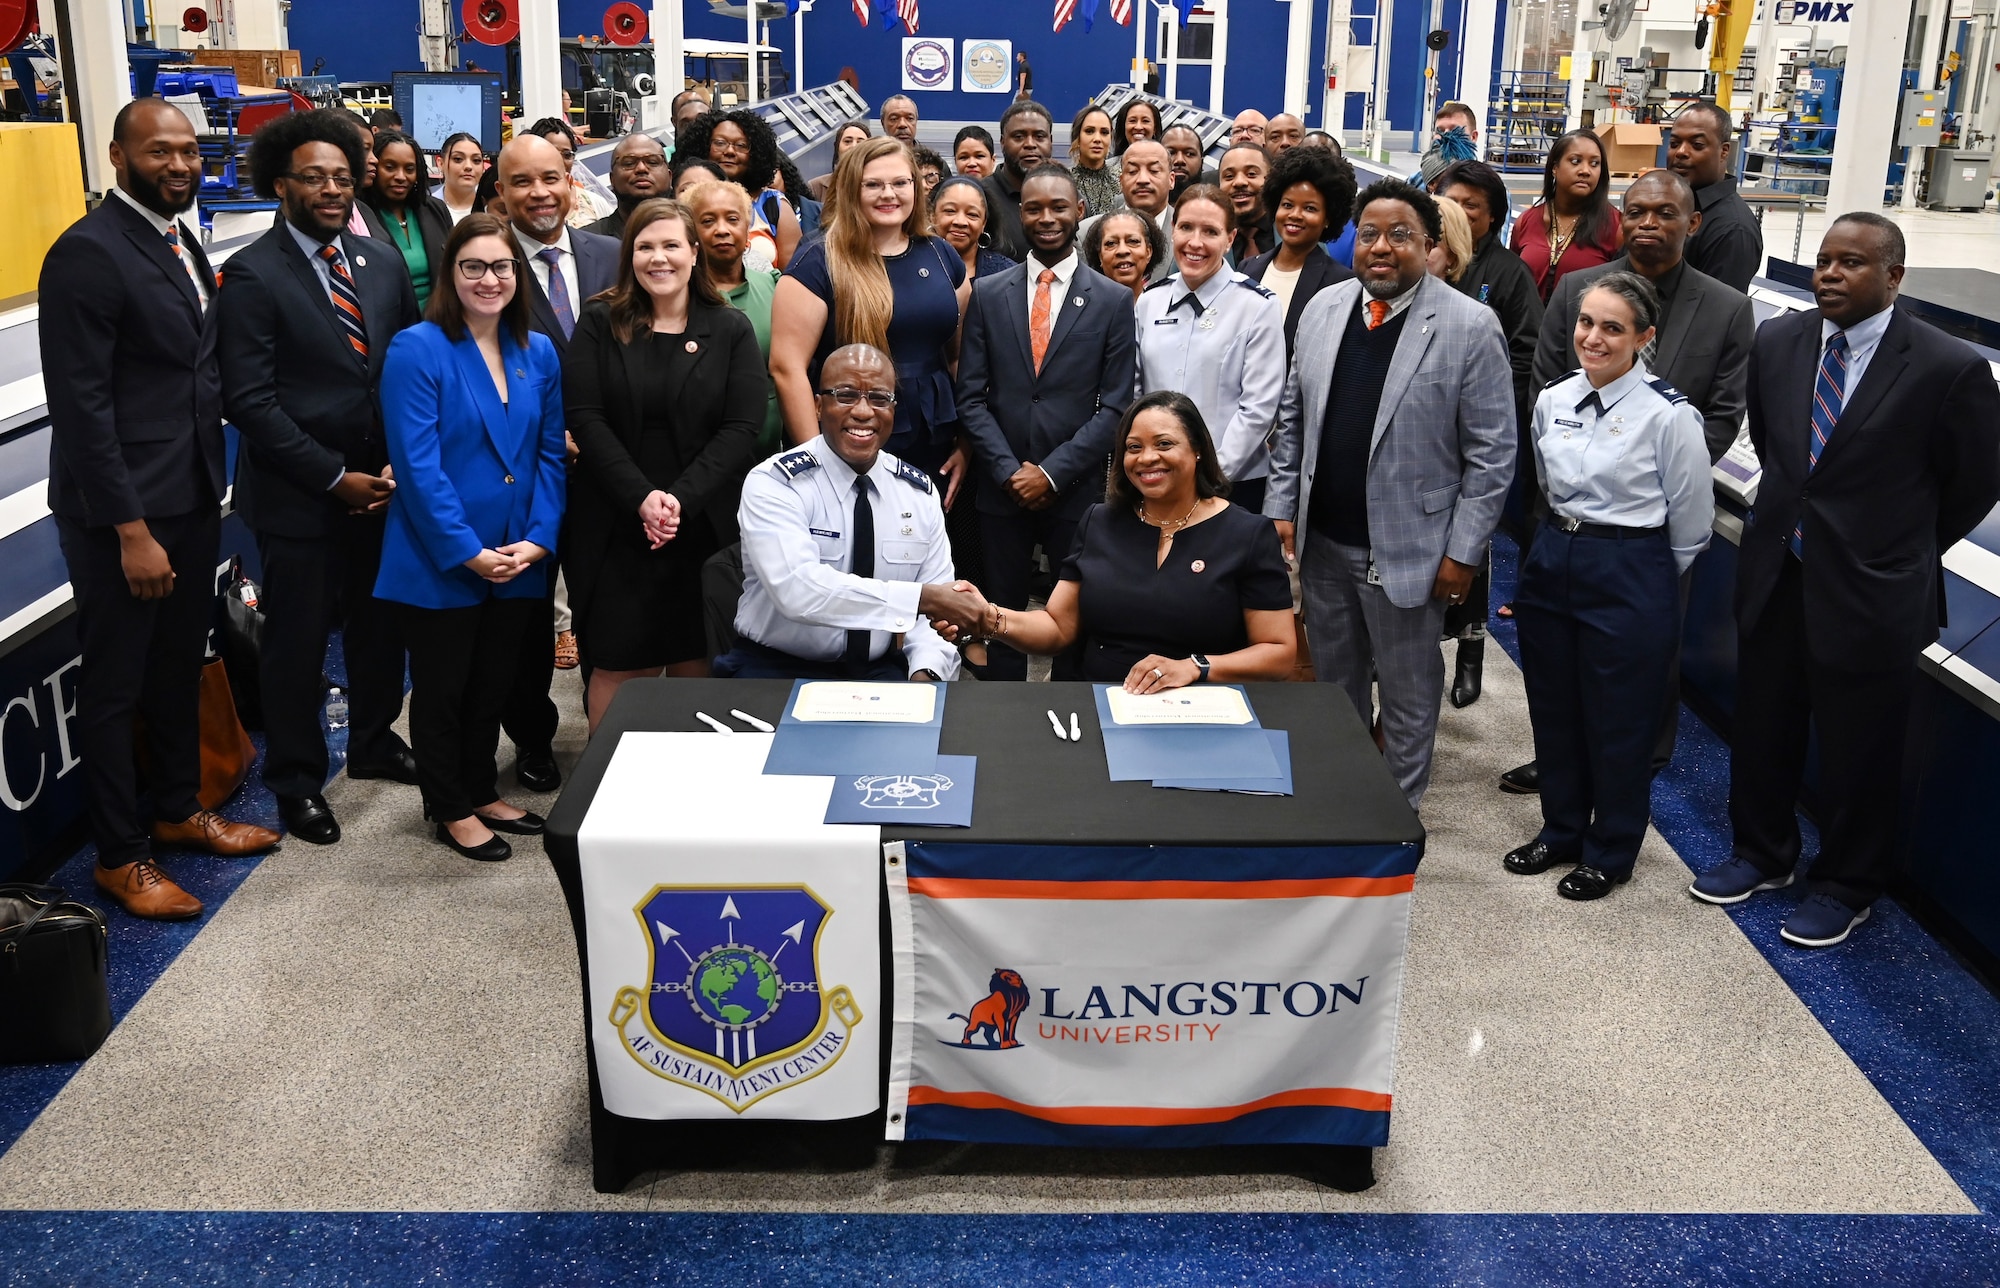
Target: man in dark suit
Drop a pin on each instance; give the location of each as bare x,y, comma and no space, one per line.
307,313
566,267
135,481
1703,350
1044,373
1880,441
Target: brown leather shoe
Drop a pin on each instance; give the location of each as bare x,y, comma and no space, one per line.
143,890
209,831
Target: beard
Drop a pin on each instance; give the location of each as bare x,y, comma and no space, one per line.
1388,290
152,198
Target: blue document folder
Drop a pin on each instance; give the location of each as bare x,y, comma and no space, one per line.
1182,751
941,798
1281,749
844,747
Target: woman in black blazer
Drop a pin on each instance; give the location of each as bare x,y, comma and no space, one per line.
664,388
1310,195
413,221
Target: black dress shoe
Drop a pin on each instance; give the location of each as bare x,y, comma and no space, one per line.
491,850
309,819
400,767
1522,780
1533,859
529,824
1587,882
1465,682
536,771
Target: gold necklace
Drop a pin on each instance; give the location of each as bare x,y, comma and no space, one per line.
1169,526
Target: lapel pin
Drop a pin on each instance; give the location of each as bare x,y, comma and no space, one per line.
1197,566
923,272
1078,301
692,346
907,530
906,514
520,374
360,262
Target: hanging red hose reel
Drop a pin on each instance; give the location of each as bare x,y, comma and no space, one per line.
625,24
491,22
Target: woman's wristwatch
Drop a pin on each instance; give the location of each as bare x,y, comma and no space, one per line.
1201,661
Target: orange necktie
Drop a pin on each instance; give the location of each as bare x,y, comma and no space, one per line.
1038,318
1378,313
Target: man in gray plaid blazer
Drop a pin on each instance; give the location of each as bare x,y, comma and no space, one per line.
1395,446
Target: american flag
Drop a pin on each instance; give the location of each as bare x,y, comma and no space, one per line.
1065,10
1121,12
907,11
861,11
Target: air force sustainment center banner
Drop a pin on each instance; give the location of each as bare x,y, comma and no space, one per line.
1140,997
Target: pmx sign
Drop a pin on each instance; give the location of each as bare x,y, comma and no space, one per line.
1813,11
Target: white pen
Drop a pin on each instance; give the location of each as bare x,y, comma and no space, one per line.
1056,724
1075,729
712,722
761,726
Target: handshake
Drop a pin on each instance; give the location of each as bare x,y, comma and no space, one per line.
958,611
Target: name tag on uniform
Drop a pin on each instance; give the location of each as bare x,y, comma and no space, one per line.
1167,321
1569,424
822,532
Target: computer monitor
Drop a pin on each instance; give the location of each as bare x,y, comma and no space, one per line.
436,105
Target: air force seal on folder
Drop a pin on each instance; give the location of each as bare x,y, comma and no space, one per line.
735,1007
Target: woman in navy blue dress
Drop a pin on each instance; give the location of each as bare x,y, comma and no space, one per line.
902,289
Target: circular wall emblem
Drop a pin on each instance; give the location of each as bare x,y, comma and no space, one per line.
927,64
985,64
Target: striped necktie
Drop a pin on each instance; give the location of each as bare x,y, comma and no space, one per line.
1827,397
186,262
346,302
558,290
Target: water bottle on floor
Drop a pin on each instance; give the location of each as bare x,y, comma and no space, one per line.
336,708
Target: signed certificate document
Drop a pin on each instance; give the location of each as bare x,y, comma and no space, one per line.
1196,704
876,703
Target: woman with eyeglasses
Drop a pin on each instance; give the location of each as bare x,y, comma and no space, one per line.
743,145
416,222
665,390
881,276
1218,337
472,411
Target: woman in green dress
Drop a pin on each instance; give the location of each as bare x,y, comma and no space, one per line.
417,222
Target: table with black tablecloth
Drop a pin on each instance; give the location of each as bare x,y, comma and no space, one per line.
1032,790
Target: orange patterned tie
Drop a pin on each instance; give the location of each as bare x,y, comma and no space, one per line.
1378,313
1038,318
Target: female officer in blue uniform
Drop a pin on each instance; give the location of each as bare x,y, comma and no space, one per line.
1625,471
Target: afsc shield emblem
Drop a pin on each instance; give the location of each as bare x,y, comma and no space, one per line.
735,1007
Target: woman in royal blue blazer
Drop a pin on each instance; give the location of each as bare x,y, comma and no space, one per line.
472,403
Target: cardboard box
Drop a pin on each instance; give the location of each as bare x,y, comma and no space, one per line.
1629,148
253,66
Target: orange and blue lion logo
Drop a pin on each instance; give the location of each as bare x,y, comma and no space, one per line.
996,1014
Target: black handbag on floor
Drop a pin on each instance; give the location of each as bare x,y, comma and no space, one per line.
53,1001
240,641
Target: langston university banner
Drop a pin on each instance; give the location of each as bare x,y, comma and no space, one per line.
1141,997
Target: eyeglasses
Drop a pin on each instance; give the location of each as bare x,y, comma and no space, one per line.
848,396
1399,236
640,163
314,179
474,269
728,145
876,187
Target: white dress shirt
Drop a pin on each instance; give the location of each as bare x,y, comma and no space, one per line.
1226,351
1863,339
181,234
566,263
1059,289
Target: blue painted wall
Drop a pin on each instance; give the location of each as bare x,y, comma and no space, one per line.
369,39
